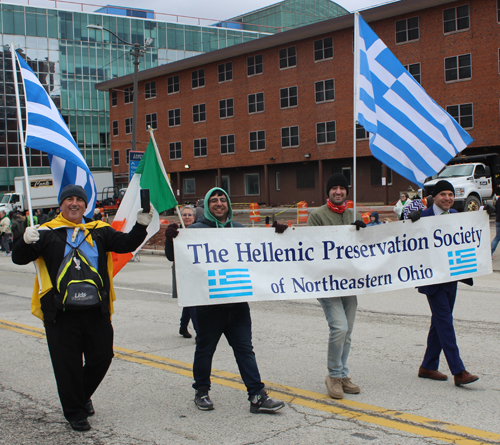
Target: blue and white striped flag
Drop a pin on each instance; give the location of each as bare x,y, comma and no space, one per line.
46,131
410,133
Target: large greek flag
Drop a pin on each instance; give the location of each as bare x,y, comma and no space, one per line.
46,131
410,133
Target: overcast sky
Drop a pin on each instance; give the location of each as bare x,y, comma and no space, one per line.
209,9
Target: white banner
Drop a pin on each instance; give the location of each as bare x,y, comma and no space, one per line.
250,264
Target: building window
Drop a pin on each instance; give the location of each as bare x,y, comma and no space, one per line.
200,147
346,171
255,103
456,19
226,184
225,72
458,68
252,186
199,113
175,150
152,121
115,128
414,70
325,132
323,49
226,108
498,11
198,78
150,90
407,30
376,174
278,181
289,97
116,157
305,178
227,144
128,95
288,57
127,155
189,186
324,90
173,85
174,117
290,137
257,140
361,133
462,114
114,98
128,125
255,65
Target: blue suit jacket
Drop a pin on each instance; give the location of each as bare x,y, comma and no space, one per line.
431,289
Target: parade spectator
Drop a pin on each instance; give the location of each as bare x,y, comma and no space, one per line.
80,341
340,312
233,320
415,205
441,298
188,313
404,200
28,219
18,225
200,209
42,217
373,220
6,231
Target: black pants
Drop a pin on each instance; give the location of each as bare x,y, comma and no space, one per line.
76,335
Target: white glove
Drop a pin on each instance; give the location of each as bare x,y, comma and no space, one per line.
31,234
145,218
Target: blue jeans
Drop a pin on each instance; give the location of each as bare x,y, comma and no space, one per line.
496,240
340,313
233,320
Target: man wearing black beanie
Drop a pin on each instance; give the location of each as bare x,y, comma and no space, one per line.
441,298
340,312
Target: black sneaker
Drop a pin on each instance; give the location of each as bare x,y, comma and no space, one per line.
262,403
202,400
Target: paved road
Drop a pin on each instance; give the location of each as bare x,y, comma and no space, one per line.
146,397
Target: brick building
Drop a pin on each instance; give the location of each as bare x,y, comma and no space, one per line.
271,119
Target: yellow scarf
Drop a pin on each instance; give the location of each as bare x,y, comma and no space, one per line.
43,283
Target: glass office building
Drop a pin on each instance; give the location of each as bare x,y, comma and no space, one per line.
69,59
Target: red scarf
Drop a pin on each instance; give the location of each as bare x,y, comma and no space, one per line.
337,209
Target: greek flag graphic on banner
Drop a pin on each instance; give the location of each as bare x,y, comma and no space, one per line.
229,283
46,131
410,133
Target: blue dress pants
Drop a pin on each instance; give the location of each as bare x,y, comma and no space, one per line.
442,333
233,320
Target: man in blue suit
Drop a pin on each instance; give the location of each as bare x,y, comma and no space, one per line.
441,298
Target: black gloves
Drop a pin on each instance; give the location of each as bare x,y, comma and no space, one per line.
279,228
171,231
359,224
415,215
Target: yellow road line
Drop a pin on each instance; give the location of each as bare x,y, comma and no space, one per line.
375,415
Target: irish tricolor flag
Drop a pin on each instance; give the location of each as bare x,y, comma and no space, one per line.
150,174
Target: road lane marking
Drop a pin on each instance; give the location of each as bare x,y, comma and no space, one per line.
398,420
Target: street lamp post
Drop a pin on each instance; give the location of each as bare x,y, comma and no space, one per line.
137,52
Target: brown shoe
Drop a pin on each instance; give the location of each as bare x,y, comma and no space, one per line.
431,374
464,378
349,387
334,387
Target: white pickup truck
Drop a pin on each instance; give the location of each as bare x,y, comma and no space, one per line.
476,180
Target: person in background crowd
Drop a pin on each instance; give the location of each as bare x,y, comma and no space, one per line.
200,209
416,204
188,313
97,214
441,298
80,341
6,231
404,200
373,220
339,312
232,319
28,221
42,217
18,225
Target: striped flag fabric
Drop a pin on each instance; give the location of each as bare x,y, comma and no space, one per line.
150,174
409,131
46,131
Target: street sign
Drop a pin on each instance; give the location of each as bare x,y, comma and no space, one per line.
134,160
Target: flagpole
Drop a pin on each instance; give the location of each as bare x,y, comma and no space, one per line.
21,132
355,107
151,132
